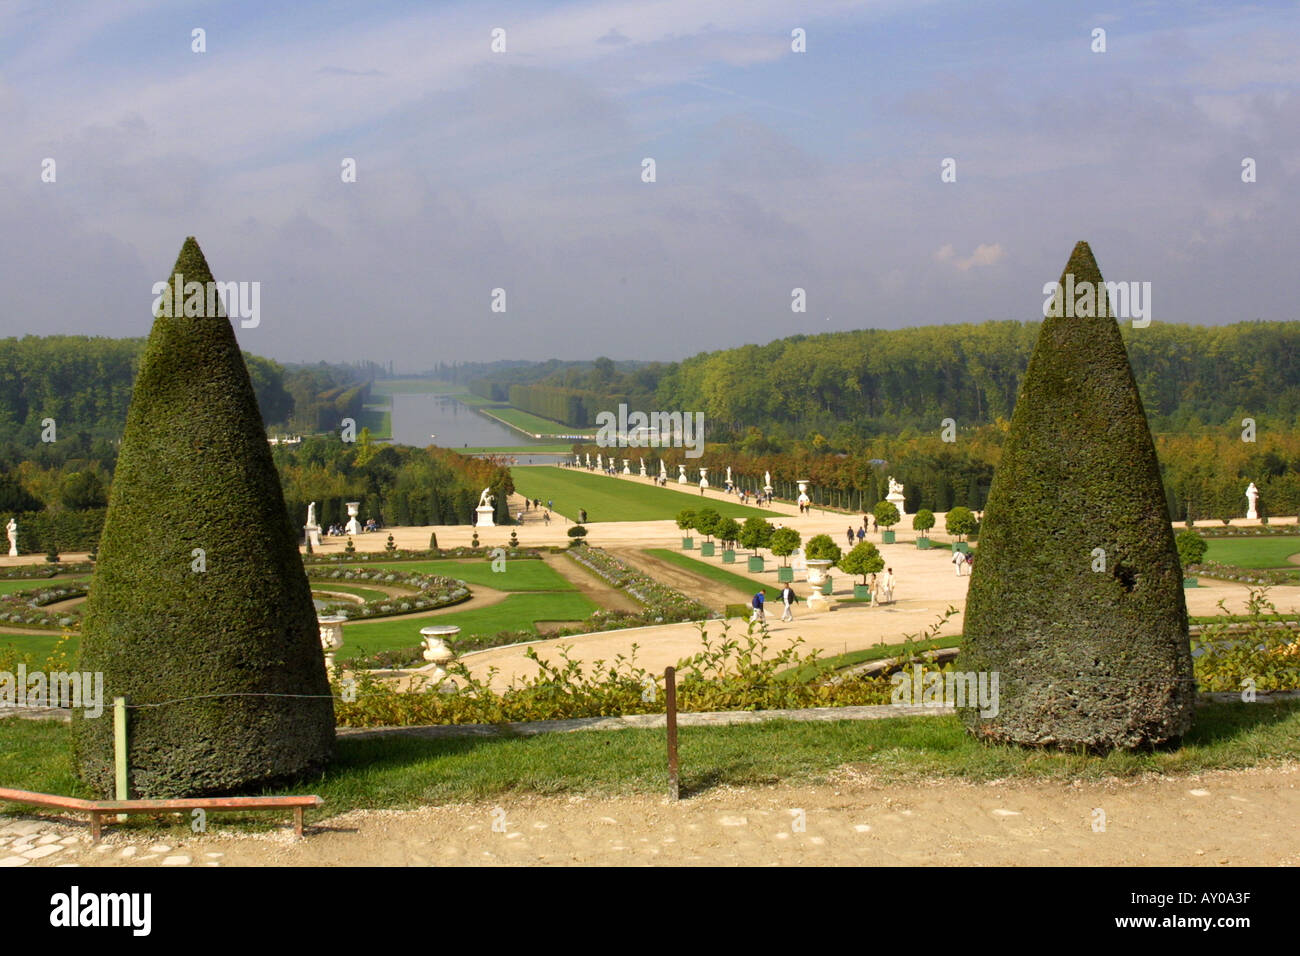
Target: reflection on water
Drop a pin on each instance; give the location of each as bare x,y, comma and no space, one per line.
416,417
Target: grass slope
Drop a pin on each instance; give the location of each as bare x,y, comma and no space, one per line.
522,574
746,585
1253,552
400,772
516,612
617,499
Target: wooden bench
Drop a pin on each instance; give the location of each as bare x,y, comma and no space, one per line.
98,809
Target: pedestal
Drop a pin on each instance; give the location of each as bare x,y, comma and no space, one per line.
312,532
484,517
897,501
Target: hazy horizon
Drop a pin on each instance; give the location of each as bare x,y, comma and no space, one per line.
522,169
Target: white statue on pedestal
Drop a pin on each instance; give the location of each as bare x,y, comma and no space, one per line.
704,478
728,476
895,496
1252,498
643,474
600,465
12,528
588,459
767,482
311,515
485,510
663,470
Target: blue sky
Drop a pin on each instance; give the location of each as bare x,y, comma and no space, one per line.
521,170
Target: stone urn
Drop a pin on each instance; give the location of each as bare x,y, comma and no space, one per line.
817,568
331,636
803,498
436,651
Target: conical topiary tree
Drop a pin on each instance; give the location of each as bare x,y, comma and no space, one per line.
1076,598
199,603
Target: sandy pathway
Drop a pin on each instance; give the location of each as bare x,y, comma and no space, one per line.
1230,818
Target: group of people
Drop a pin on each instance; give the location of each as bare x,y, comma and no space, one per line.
758,601
338,530
535,504
759,498
963,561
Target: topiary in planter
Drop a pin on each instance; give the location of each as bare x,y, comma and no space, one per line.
199,601
1091,646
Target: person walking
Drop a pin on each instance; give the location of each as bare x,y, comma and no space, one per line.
958,561
850,537
787,599
757,605
888,585
862,534
546,518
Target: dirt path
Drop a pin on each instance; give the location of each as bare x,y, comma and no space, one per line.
1228,818
711,594
592,587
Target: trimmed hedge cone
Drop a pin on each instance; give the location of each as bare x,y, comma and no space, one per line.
199,603
1076,600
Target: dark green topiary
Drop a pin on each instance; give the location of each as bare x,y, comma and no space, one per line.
1091,647
224,640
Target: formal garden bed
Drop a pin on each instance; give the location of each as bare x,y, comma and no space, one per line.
1229,572
428,592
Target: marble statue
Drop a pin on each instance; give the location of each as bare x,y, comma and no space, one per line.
486,499
311,515
12,528
1252,499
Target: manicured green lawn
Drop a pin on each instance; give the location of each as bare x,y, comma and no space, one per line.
400,772
523,574
538,426
617,499
38,645
379,419
516,612
32,584
366,594
715,573
1254,552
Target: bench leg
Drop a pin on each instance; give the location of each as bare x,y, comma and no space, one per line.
297,820
95,826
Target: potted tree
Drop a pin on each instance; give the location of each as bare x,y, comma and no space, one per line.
886,514
922,522
727,531
755,533
1191,550
576,535
784,541
959,523
864,559
706,523
686,521
822,547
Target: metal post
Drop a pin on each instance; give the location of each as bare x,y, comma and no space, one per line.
670,694
120,755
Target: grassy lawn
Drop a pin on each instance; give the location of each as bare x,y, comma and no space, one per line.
1253,552
516,612
407,772
38,645
715,573
31,584
841,661
538,426
617,499
366,594
524,574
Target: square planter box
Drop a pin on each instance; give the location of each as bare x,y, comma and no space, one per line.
923,544
826,586
784,575
729,556
1190,583
886,537
862,591
688,543
706,549
961,546
756,563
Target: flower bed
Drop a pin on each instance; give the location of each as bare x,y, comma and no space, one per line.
27,608
1230,572
431,591
1250,531
366,557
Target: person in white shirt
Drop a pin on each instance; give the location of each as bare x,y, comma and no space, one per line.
958,561
788,599
887,585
